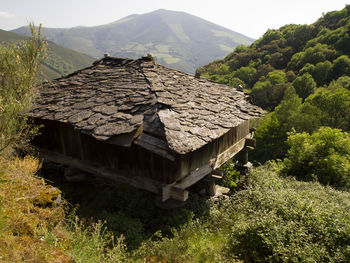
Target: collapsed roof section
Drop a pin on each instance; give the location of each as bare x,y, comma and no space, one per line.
117,97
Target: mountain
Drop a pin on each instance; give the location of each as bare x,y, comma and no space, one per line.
60,60
175,39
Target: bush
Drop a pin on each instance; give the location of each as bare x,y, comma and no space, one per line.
282,220
271,134
18,69
33,225
274,219
323,156
230,177
304,85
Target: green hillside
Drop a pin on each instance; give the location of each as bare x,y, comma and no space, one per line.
301,73
316,53
60,60
175,39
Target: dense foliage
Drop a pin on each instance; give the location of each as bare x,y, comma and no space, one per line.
304,56
323,156
18,78
273,220
300,73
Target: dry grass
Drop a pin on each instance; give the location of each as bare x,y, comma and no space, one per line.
28,212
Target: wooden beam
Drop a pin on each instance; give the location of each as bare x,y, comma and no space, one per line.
154,145
171,191
195,176
177,190
179,194
229,153
115,175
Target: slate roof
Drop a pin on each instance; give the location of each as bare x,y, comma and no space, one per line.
118,96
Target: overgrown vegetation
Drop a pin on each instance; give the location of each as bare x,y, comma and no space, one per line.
18,68
323,156
35,226
304,56
274,219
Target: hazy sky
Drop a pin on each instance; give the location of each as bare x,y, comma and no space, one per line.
249,17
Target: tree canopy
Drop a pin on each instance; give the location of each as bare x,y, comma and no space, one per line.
321,49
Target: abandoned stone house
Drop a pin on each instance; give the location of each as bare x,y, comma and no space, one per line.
142,124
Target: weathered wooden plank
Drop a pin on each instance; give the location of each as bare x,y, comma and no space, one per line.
118,176
229,153
166,192
195,176
125,139
172,191
178,194
154,145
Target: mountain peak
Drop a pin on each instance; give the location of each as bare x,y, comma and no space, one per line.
175,38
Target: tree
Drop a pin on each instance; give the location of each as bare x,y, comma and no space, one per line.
334,107
18,68
342,82
322,72
324,156
341,67
271,134
304,85
246,74
312,55
269,92
269,36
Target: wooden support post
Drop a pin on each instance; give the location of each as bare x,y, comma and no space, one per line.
173,192
243,162
179,194
210,183
243,157
210,188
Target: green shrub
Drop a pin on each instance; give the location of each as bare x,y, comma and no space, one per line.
18,68
93,243
275,219
231,176
283,220
323,156
193,242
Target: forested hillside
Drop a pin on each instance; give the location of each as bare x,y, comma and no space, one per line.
302,56
301,73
